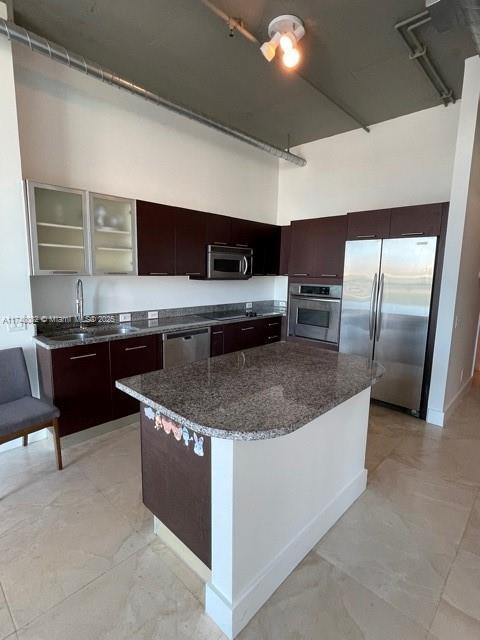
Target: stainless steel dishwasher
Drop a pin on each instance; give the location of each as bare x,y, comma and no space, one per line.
185,346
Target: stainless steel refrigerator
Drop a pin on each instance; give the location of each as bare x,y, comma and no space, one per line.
387,293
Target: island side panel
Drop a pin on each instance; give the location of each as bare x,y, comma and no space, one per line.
176,482
273,500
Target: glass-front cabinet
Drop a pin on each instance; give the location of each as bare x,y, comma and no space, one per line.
76,232
58,230
112,223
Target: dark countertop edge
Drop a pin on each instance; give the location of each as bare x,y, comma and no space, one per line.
46,343
213,432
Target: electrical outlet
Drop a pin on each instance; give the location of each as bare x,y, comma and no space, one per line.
282,304
152,315
125,317
248,305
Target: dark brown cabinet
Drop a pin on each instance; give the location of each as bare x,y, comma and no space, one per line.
330,234
420,220
272,330
369,225
216,341
190,243
155,239
285,238
317,247
219,229
131,357
244,232
238,336
77,380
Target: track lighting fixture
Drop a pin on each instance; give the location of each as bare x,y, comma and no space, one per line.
285,32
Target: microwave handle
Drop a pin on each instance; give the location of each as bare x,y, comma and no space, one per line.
245,265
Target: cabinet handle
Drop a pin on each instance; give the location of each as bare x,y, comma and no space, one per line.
87,355
416,233
272,337
142,346
222,243
273,324
243,246
158,273
300,274
328,275
248,329
366,237
193,273
117,273
216,333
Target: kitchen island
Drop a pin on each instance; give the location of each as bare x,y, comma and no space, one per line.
248,459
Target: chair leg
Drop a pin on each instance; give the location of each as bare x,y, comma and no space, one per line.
25,440
58,449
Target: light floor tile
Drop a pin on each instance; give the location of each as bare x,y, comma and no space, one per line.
318,601
458,616
140,599
6,622
58,551
471,539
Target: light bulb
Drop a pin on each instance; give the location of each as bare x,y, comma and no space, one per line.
287,42
269,48
291,58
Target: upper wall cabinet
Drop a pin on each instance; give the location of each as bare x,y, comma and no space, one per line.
156,239
369,225
420,220
58,230
317,248
113,235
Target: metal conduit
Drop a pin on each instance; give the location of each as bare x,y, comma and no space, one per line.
60,54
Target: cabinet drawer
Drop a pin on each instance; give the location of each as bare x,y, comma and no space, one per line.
130,357
81,383
272,330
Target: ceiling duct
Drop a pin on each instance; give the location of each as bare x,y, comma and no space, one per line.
449,14
60,54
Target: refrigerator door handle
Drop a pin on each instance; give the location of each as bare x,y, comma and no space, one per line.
380,303
373,297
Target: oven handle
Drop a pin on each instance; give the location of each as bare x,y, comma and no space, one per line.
336,300
373,295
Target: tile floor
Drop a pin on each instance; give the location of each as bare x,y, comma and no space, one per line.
79,561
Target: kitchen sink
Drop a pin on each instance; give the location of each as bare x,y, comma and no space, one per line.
77,335
113,331
93,333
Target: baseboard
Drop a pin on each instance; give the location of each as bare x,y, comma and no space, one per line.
99,430
232,618
33,437
436,417
457,397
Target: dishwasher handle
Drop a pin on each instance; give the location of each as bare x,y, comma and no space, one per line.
184,334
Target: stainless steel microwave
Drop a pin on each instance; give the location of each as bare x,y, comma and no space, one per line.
314,312
229,263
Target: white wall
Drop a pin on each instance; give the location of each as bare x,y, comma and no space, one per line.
78,132
15,297
109,294
408,160
460,296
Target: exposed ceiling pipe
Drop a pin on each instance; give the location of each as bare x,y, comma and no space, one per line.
418,51
60,54
235,24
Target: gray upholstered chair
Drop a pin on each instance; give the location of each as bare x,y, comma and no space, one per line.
21,413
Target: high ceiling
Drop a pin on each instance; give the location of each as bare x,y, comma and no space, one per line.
181,50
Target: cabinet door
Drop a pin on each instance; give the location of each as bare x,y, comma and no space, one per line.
272,330
130,357
155,239
303,248
330,235
190,243
369,225
112,223
271,240
243,335
58,230
81,384
219,229
421,220
216,341
244,232
285,239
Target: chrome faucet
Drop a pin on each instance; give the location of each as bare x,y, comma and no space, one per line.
79,302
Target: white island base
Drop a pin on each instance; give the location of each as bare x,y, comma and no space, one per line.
272,501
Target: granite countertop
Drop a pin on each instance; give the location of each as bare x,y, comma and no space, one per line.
259,393
99,333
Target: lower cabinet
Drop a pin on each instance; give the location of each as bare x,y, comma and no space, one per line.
131,357
77,380
238,336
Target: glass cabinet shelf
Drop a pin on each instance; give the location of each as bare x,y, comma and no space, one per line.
112,222
58,229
